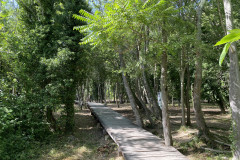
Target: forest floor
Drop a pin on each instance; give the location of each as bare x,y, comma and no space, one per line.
185,138
88,141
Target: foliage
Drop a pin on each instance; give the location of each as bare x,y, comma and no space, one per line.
41,63
233,36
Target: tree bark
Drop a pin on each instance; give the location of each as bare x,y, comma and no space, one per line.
165,117
221,17
234,83
130,94
69,127
218,98
117,94
182,85
151,97
156,80
173,105
51,119
202,127
187,96
149,92
78,97
69,97
147,112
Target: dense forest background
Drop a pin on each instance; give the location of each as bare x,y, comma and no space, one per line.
129,51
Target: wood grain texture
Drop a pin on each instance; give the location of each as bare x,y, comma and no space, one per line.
134,142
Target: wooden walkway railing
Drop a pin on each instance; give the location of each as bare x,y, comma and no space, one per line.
134,142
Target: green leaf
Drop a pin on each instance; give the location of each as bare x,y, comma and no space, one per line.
224,52
235,31
81,18
234,35
86,14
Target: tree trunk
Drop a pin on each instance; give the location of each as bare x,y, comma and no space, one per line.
147,111
218,97
221,17
114,94
103,93
87,94
156,80
202,127
149,92
69,127
79,98
51,119
173,105
151,97
182,84
98,98
130,94
219,101
187,96
165,117
117,95
234,84
69,97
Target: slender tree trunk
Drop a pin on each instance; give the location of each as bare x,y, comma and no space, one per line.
114,94
182,85
147,112
173,105
202,127
98,99
156,80
51,119
150,95
117,95
105,88
234,83
69,127
218,98
82,95
187,96
103,93
219,101
130,94
165,116
69,97
79,98
221,17
87,94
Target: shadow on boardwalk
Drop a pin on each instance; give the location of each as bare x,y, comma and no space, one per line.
134,142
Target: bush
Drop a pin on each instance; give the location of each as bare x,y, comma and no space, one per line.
22,122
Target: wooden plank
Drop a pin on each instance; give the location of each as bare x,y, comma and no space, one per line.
134,142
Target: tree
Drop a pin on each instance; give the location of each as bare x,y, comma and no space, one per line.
165,121
234,77
202,127
60,61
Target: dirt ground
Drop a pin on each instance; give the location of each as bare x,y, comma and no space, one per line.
185,138
89,143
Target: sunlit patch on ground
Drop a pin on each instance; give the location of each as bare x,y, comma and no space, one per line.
87,143
185,137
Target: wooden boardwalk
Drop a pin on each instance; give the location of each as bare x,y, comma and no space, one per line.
134,142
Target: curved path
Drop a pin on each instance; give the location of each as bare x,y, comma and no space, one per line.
134,142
